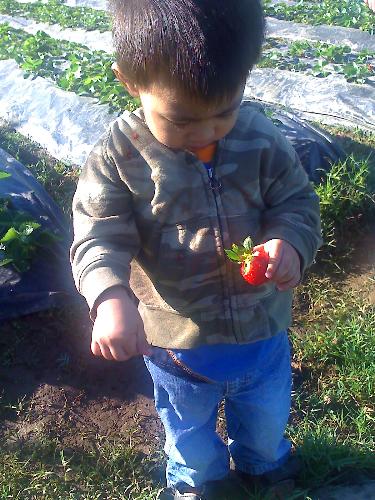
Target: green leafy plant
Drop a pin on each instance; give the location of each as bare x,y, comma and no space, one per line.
71,66
56,12
346,13
21,237
319,59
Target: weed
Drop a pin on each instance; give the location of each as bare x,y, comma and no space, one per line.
345,198
58,178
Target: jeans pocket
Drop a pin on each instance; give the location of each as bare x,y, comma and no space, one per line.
166,360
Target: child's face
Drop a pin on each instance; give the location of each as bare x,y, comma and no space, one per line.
180,122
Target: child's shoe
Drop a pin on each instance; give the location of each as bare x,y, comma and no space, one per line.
187,496
279,482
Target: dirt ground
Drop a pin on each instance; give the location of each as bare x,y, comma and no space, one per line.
69,394
47,369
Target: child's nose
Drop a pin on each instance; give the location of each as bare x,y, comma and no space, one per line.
204,134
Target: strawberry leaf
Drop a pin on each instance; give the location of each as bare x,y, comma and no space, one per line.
232,255
248,243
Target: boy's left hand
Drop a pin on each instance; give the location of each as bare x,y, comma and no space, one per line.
284,267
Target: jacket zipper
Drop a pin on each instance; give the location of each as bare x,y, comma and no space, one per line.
216,186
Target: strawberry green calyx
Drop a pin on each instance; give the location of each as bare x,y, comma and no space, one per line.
241,253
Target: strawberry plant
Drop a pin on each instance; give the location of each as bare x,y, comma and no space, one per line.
69,65
319,59
56,12
20,236
346,13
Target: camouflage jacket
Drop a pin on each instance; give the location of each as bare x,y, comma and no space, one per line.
142,206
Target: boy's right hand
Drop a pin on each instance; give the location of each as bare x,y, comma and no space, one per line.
118,332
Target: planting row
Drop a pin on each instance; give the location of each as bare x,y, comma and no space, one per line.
56,12
319,59
66,124
74,67
346,13
63,128
69,65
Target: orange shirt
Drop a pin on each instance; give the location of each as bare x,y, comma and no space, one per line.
206,154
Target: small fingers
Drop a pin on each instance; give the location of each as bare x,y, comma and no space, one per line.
276,255
105,352
118,353
95,349
286,271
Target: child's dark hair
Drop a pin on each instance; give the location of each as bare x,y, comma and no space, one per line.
204,47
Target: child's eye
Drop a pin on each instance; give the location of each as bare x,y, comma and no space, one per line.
228,114
180,124
177,123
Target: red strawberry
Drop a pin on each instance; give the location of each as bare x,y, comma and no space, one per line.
253,264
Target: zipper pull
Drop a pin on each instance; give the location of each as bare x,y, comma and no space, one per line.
215,184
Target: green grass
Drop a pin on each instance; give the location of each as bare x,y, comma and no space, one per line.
346,199
58,178
334,409
44,471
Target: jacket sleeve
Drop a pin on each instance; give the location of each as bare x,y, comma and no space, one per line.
105,234
292,206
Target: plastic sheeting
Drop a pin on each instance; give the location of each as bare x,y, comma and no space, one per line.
331,100
94,4
68,125
65,124
316,149
49,282
354,38
95,40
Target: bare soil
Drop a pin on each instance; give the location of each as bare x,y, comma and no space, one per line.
69,394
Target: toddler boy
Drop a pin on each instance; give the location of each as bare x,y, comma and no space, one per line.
167,189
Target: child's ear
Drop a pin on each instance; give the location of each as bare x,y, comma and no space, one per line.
130,87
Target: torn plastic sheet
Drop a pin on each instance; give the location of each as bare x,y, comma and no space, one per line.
316,149
337,35
65,124
49,282
331,100
95,40
94,4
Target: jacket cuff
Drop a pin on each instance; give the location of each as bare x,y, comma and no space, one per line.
93,284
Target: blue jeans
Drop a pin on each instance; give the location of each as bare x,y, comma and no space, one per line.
257,406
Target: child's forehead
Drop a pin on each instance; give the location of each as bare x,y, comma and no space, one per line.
174,103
